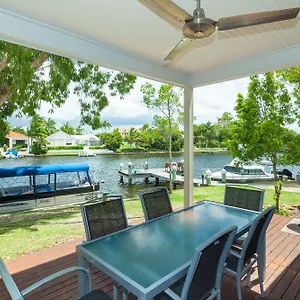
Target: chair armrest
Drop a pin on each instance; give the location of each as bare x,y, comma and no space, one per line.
172,294
56,275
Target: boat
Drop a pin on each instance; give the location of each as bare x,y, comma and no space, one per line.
11,154
238,173
30,187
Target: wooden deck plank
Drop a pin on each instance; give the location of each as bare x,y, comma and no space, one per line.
282,273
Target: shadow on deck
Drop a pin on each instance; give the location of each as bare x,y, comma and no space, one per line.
282,274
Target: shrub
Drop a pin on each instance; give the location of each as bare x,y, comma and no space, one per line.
5,148
76,147
97,147
38,149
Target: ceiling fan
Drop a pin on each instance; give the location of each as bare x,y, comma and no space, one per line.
198,26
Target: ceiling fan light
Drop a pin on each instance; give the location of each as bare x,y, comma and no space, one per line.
198,34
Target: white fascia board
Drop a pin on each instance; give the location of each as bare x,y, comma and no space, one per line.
268,62
27,32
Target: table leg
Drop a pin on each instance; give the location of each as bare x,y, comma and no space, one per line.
81,277
116,290
125,294
263,256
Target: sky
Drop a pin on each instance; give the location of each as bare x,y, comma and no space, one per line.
210,103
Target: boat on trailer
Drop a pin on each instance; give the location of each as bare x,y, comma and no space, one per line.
30,187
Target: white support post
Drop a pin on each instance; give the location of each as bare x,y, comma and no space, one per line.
188,147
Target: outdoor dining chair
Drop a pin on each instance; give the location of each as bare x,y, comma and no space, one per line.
241,260
16,294
155,202
204,276
244,196
247,196
103,216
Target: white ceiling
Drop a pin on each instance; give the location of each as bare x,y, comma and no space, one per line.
125,35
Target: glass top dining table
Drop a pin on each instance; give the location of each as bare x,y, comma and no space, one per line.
148,258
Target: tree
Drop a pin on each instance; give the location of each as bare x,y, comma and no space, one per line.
262,117
29,77
145,137
204,133
4,129
37,130
223,128
19,129
105,125
292,78
50,126
166,101
131,137
68,128
79,130
112,140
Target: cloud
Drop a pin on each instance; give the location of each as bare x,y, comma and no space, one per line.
210,102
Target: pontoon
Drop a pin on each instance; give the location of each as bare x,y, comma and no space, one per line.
29,187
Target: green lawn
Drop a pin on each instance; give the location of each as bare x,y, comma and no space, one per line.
26,232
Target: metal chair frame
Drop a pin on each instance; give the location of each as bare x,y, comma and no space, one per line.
16,294
216,288
245,267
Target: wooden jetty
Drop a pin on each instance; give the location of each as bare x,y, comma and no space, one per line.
159,173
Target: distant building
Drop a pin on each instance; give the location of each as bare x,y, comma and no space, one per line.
61,138
86,139
16,138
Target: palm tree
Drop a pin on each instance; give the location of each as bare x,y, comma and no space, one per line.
105,125
68,128
51,126
131,137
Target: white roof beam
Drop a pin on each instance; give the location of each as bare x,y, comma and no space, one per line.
33,34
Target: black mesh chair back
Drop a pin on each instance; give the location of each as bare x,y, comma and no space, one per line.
156,203
205,272
256,234
101,218
247,197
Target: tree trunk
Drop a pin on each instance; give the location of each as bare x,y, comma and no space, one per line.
274,166
3,63
5,95
35,65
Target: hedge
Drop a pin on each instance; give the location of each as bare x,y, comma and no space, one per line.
76,147
97,147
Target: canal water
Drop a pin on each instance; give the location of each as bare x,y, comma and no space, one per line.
105,167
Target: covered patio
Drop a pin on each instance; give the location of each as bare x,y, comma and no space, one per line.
282,273
135,36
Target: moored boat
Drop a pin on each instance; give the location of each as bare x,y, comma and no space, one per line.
243,173
30,187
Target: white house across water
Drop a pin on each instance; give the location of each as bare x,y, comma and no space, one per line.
61,138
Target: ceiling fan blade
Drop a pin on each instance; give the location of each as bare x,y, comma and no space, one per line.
181,46
257,18
167,10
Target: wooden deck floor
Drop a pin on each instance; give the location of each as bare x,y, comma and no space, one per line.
282,275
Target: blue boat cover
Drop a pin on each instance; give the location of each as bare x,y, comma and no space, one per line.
12,151
42,170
